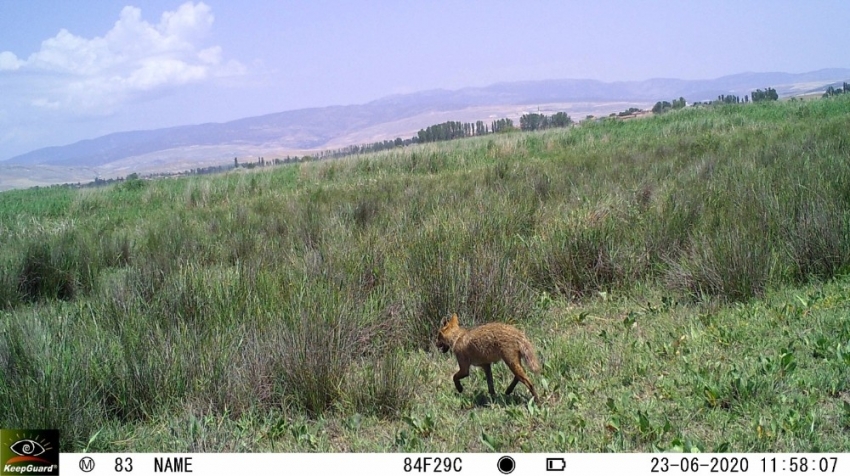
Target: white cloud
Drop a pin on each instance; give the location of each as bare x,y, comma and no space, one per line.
189,20
158,72
210,55
133,59
8,61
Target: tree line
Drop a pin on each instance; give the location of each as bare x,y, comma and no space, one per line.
832,91
768,94
537,122
664,106
451,130
457,130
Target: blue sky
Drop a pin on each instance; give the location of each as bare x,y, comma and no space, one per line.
72,70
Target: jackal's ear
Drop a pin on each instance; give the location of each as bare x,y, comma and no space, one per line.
453,320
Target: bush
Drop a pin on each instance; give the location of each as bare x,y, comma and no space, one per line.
57,267
45,381
734,264
818,238
577,257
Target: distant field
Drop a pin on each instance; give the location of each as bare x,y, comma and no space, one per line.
684,278
26,176
183,159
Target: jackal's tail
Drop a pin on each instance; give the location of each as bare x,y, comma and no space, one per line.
526,350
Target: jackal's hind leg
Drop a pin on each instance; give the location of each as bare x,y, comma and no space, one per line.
519,376
511,386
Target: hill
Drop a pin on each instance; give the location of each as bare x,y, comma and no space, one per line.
387,118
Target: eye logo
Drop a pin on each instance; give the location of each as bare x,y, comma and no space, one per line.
27,448
29,452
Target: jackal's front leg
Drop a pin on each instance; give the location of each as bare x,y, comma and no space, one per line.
488,372
462,373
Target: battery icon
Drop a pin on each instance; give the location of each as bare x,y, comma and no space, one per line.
556,464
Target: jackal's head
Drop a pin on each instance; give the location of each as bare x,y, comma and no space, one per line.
448,334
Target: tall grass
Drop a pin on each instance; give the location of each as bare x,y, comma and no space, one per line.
299,289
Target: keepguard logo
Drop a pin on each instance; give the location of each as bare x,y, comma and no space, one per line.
29,452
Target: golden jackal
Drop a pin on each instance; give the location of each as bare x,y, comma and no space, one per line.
486,344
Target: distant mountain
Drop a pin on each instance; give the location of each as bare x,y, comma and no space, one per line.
314,128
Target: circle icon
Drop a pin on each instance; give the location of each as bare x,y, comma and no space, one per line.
86,464
506,465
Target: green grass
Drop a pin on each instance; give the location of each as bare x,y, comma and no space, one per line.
684,277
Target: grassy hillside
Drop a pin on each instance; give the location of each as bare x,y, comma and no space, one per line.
684,278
